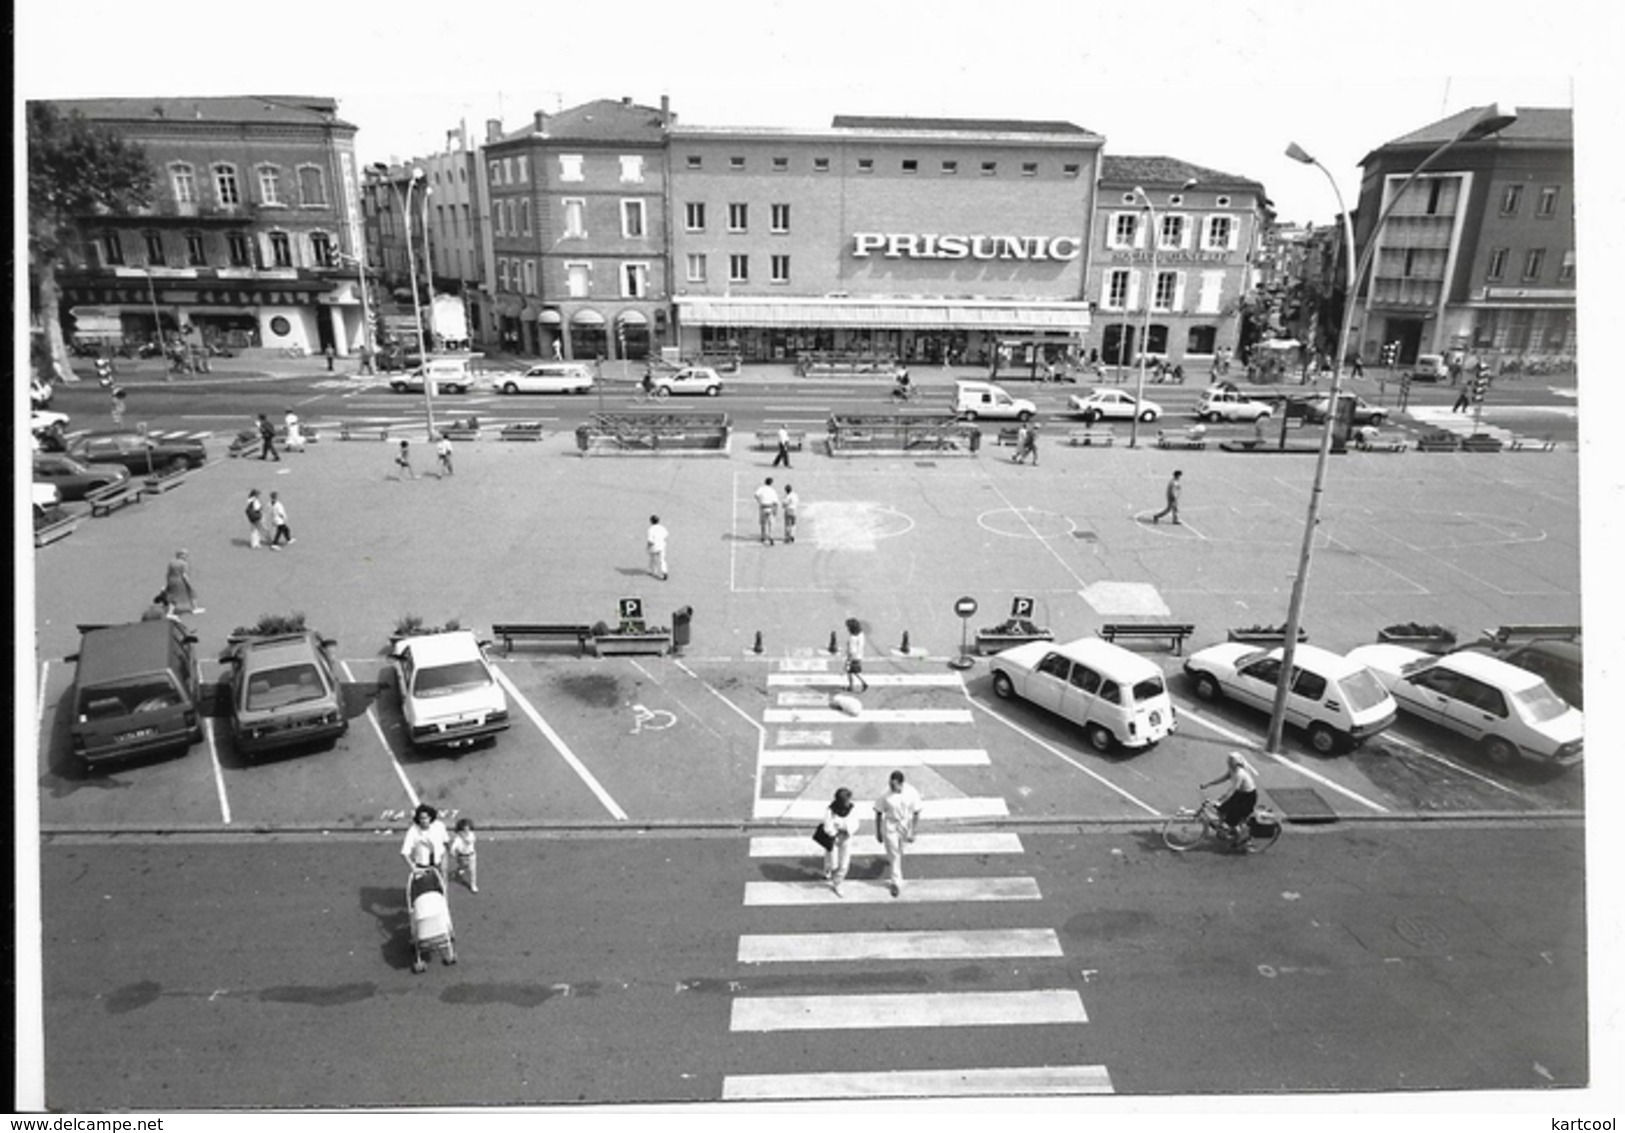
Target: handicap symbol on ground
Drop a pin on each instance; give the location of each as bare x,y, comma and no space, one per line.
651,719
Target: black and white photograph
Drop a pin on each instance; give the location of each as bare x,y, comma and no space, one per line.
783,561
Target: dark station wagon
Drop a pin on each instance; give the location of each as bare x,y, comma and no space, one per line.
135,692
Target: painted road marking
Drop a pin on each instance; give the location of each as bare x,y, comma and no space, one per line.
821,947
809,737
966,842
813,809
878,757
876,680
868,715
907,1009
1065,758
804,665
560,746
1017,1081
378,729
803,700
764,894
1248,741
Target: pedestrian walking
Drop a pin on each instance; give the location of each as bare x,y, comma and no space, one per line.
897,818
295,441
256,518
268,439
1027,443
463,858
178,585
118,396
366,359
792,504
841,826
1356,367
784,448
655,541
854,656
403,461
442,453
279,520
424,846
1464,399
767,506
1175,487
329,352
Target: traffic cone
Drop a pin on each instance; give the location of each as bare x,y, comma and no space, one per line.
757,648
832,646
903,649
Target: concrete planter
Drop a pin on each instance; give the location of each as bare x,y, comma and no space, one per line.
1264,636
994,642
625,644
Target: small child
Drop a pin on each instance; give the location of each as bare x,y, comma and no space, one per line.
462,854
403,461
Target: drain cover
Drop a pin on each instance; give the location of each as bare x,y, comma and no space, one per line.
1086,536
1300,804
925,464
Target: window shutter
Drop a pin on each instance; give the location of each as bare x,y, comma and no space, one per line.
1235,230
1179,291
1133,291
1106,292
1141,223
1185,230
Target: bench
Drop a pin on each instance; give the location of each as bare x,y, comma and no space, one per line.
1104,437
542,631
1505,633
1438,442
110,497
1008,436
522,431
1382,444
243,444
1532,444
359,434
1181,438
161,483
461,433
60,528
1176,633
769,439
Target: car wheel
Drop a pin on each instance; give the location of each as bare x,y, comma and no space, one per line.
712,391
1091,416
1499,751
1148,416
1024,417
1264,416
970,414
177,464
1099,737
662,392
1376,419
509,388
1206,687
1002,688
1211,416
398,387
1323,739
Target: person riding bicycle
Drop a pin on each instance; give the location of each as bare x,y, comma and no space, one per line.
902,389
1237,804
648,382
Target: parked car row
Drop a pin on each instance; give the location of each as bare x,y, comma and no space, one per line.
455,376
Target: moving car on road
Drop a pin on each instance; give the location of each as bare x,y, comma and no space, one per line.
688,380
72,477
548,377
141,453
1338,702
1509,712
283,693
1111,405
1114,695
449,695
1220,404
975,400
1364,412
449,375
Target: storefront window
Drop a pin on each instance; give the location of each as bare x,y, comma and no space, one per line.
1200,340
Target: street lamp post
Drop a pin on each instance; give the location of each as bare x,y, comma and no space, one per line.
1145,319
412,273
1488,122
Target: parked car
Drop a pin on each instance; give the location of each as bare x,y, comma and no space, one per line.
40,392
1560,662
548,377
141,453
44,420
1112,405
1364,412
1508,711
975,400
449,695
1337,702
690,379
72,477
135,692
392,356
1115,696
1220,404
1430,368
449,375
283,693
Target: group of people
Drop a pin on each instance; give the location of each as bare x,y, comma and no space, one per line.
897,820
768,506
267,526
428,846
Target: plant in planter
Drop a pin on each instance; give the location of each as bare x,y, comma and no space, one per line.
630,637
1436,637
270,625
1262,634
1012,631
410,625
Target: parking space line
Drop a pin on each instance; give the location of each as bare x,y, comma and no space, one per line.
378,730
1248,741
39,707
561,747
1408,745
219,777
1065,758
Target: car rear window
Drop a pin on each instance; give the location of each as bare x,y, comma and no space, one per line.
276,688
1362,690
1538,704
442,680
125,698
1148,689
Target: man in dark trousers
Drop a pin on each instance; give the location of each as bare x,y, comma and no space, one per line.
784,448
268,439
1174,489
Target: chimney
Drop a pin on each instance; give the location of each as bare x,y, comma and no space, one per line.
493,130
665,110
626,100
541,122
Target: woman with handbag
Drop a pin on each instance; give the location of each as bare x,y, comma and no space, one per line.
835,835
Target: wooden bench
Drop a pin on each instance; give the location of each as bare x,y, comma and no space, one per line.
1181,438
1532,444
1008,436
1175,632
361,434
243,444
769,439
1530,632
1438,442
522,431
1091,436
60,528
1481,442
110,497
542,631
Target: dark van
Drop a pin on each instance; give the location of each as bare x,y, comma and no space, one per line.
135,692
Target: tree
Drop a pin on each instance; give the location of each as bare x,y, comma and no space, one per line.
76,168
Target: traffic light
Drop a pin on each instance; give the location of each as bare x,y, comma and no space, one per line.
1481,381
1390,354
104,371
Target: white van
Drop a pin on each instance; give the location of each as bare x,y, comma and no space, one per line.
984,399
1114,695
449,375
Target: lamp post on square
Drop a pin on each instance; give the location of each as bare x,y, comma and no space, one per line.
412,273
1145,319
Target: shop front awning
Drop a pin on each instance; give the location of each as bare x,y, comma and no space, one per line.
884,314
631,319
549,317
585,318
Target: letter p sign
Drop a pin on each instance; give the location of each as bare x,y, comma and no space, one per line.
1021,607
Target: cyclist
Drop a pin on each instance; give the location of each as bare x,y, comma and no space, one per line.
902,390
1237,804
648,383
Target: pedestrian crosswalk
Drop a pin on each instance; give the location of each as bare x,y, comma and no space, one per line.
968,869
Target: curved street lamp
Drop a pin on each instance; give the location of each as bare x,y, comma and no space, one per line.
1489,121
412,273
1145,319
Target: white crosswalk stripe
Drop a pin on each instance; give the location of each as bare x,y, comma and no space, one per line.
830,947
991,1081
968,842
922,891
876,757
867,716
876,680
813,809
907,1009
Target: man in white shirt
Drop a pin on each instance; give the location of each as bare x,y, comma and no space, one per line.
767,506
657,547
784,448
897,814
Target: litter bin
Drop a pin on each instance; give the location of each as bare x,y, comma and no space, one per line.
680,618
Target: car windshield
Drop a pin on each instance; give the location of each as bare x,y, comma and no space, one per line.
443,680
1148,689
1538,704
1362,690
278,688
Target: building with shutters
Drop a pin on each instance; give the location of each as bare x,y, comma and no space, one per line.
1207,238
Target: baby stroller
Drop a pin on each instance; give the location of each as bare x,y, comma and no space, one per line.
431,917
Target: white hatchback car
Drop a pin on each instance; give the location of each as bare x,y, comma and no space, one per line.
548,377
1219,404
1114,695
1508,711
690,379
1338,702
449,695
1111,405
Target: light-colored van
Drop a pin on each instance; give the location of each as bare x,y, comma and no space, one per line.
135,692
1430,368
984,399
548,377
449,375
1115,696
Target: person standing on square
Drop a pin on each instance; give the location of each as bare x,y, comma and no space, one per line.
296,439
767,505
1175,487
792,504
442,452
279,521
897,816
463,861
841,825
255,511
655,541
784,448
403,461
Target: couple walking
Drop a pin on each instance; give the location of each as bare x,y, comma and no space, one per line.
257,525
897,815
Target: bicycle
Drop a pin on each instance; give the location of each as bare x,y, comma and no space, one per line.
1186,829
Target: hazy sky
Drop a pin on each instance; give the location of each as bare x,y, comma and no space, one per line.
1223,85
